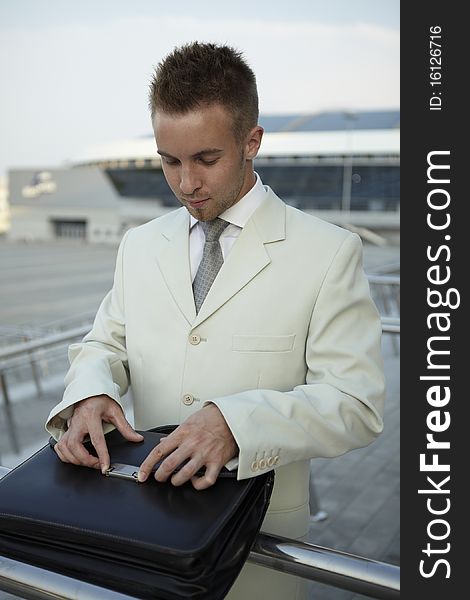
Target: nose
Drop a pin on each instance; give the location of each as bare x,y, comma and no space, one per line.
189,181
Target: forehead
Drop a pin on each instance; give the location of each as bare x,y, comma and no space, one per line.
208,125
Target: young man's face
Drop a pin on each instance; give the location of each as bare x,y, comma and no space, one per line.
206,168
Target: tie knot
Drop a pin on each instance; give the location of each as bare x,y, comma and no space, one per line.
213,229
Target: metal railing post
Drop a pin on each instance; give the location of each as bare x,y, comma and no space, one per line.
35,372
11,428
3,385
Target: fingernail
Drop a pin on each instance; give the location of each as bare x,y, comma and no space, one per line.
140,477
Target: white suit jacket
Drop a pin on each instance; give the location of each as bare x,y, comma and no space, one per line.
287,344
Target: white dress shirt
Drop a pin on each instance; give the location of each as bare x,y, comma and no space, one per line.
237,215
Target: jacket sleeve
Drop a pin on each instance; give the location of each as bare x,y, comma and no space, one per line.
339,406
99,362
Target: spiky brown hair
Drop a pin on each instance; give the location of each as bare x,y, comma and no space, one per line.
199,74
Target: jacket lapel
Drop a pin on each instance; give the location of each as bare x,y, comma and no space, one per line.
248,257
173,261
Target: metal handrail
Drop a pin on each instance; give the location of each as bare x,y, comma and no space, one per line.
35,583
339,569
15,350
20,348
10,355
57,338
346,571
391,324
391,267
384,279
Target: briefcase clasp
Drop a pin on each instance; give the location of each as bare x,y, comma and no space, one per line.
123,471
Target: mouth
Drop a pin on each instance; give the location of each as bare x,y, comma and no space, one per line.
196,203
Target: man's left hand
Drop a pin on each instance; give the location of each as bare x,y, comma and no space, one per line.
203,440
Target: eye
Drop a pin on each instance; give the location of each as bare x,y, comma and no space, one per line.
208,162
169,161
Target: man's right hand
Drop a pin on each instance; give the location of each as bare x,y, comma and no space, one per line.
87,419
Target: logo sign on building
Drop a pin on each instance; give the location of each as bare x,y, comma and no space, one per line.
41,183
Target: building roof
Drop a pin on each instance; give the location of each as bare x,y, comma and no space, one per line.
323,134
332,121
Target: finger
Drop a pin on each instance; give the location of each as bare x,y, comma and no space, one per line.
125,428
186,472
74,452
208,479
64,455
76,455
85,459
172,462
146,467
164,448
99,444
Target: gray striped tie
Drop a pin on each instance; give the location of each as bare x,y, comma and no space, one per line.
211,262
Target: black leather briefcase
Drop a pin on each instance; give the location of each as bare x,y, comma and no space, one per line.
149,540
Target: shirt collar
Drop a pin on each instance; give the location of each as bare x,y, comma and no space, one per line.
241,211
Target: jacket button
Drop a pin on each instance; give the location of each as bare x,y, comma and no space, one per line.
254,465
270,461
194,339
276,460
188,399
262,463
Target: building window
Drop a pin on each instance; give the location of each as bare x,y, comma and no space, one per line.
70,229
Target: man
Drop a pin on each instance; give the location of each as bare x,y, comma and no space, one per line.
273,362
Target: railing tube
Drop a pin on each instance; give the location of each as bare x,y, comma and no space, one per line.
4,471
34,583
325,565
338,569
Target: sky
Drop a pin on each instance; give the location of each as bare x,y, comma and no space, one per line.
75,73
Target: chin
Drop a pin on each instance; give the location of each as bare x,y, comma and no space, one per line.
202,214
199,214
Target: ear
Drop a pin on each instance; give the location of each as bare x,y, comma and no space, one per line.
253,142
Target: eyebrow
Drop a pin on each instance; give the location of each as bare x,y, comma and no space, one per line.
197,155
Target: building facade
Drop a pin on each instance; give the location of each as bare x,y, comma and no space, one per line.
344,167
